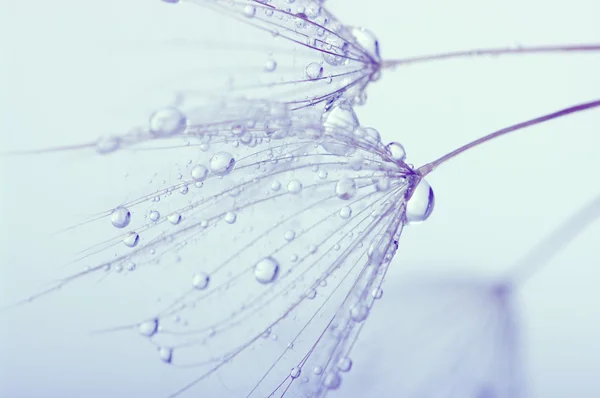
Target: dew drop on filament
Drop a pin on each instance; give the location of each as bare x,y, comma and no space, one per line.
200,281
120,217
148,328
266,270
131,239
167,121
420,206
222,163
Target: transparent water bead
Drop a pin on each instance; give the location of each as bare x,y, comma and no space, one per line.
222,163
345,212
396,151
131,239
314,70
154,216
295,372
332,380
200,280
106,145
120,217
165,354
266,270
167,121
359,312
294,187
148,328
345,188
199,172
174,218
344,364
230,217
367,40
270,65
340,118
289,235
249,11
420,206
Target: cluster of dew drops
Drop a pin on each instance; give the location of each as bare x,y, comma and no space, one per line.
171,122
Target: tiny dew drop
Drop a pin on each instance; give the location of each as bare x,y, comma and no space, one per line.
120,217
148,328
289,235
249,11
174,218
275,186
222,163
420,205
377,293
344,364
165,354
294,187
332,380
106,145
131,239
270,65
201,281
266,270
295,372
317,370
167,121
396,151
154,216
359,312
199,172
314,70
345,212
345,188
230,217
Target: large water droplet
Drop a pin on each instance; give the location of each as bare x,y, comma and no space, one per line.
266,270
120,217
294,187
199,172
314,70
222,163
230,217
167,121
345,188
420,205
396,151
131,239
367,40
174,218
148,328
201,280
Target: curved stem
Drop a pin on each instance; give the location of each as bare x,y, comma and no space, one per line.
491,52
429,167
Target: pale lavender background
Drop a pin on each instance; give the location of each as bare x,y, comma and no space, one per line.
59,86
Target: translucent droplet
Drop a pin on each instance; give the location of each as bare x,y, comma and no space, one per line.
420,205
289,235
266,270
270,65
120,217
275,186
165,354
367,40
396,151
340,120
311,294
230,217
154,216
222,163
294,187
345,212
148,328
167,121
314,70
344,364
184,190
200,281
174,218
377,293
295,372
359,312
106,145
332,380
199,172
345,188
131,239
318,370
249,11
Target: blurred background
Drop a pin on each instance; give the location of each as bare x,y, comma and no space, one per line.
448,324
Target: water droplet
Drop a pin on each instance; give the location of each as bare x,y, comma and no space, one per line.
249,11
312,249
167,121
377,293
396,151
120,217
165,354
275,186
314,70
199,172
295,372
344,364
148,328
294,187
222,163
266,270
345,188
345,212
420,205
311,294
154,216
106,145
184,190
318,370
270,65
174,218
230,217
367,40
131,239
200,281
289,235
332,380
359,312
130,266
383,184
